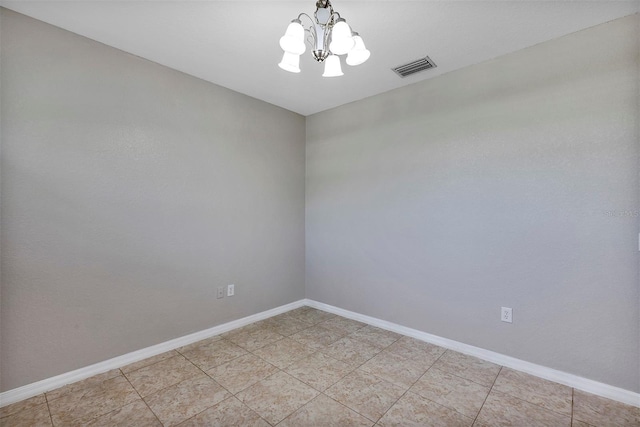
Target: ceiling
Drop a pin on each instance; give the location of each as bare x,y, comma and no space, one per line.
235,43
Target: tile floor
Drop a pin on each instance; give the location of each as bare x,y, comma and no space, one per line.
312,368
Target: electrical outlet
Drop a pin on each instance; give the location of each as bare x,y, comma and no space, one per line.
220,291
506,315
231,290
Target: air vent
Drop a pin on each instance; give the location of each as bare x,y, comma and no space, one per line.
414,67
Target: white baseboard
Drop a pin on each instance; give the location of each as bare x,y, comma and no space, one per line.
575,381
580,383
34,389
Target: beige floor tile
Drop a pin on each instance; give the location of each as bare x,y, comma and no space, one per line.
599,411
277,396
251,327
451,391
33,416
253,340
260,324
376,336
158,376
200,343
321,354
351,351
469,367
413,410
549,395
213,353
284,352
81,406
395,369
312,315
326,412
412,348
133,414
79,385
297,311
366,394
149,361
505,410
186,399
316,337
229,412
576,423
241,372
319,371
282,316
288,325
22,405
342,325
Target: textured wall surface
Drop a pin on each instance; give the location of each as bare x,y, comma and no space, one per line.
129,193
510,183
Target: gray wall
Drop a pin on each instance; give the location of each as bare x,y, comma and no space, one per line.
129,193
510,183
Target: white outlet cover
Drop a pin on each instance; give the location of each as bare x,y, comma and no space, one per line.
231,291
506,314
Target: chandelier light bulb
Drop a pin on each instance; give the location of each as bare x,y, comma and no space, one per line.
332,67
293,39
341,40
290,62
359,53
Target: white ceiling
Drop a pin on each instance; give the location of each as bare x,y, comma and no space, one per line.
235,43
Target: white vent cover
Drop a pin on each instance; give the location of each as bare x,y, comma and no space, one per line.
413,67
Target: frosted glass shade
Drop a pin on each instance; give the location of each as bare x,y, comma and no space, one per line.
293,39
359,53
341,40
290,62
332,67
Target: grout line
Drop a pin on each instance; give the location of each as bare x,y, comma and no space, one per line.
320,351
448,373
408,388
171,385
141,398
460,376
150,364
392,405
537,405
485,399
439,357
544,408
232,395
348,407
46,400
307,403
573,390
412,384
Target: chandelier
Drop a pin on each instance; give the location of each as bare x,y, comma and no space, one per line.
329,35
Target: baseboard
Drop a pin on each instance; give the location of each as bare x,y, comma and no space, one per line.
580,383
575,381
15,395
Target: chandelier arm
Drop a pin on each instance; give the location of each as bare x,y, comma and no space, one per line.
311,30
305,15
330,24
